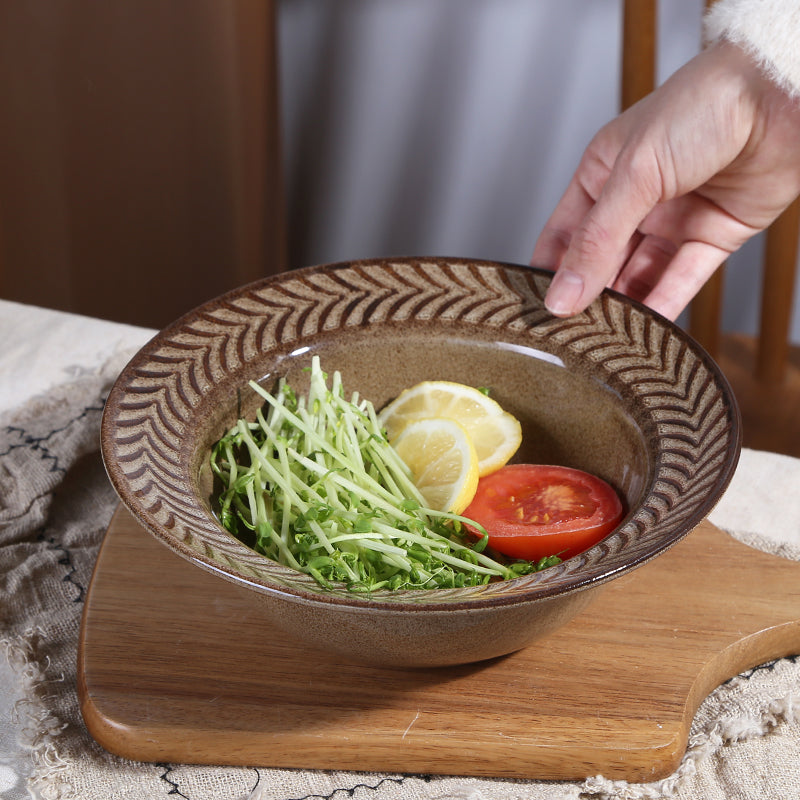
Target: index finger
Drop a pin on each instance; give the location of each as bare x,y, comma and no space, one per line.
599,246
559,229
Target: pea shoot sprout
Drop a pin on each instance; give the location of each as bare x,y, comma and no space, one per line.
313,484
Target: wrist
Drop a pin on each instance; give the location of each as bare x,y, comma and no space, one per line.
767,31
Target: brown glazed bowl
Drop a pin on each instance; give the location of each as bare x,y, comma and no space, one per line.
617,391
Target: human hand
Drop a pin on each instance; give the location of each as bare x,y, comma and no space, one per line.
669,189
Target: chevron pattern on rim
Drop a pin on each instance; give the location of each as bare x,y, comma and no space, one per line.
678,390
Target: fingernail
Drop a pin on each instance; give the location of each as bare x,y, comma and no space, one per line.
564,293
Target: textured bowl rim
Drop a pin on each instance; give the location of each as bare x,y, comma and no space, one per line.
592,568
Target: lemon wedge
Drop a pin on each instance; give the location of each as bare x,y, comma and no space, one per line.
495,434
442,460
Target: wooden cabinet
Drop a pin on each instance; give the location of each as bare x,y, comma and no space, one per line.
139,154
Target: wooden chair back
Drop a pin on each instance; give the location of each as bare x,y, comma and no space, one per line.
772,347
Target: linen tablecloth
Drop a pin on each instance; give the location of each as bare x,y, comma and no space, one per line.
56,502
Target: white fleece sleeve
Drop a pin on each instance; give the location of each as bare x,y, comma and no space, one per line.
768,30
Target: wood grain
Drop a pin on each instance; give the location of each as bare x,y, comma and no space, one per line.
137,186
770,409
638,59
175,665
777,295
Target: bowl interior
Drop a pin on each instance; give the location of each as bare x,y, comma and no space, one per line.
569,414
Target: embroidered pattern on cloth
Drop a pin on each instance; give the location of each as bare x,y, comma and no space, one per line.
55,505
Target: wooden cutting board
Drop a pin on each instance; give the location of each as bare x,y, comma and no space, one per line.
176,666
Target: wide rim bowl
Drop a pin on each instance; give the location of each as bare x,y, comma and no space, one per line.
149,439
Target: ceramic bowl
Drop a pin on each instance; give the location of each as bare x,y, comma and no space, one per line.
616,390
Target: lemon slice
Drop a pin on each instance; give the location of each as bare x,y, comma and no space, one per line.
496,434
442,460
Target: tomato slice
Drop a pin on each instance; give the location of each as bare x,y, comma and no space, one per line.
531,511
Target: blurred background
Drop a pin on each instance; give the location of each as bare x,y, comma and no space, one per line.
154,153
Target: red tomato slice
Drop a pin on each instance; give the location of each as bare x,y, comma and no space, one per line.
531,511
